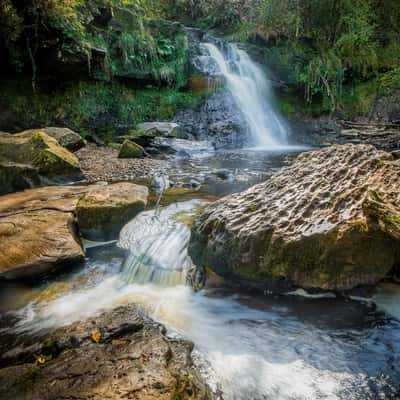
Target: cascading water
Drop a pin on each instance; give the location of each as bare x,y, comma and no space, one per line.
157,241
250,89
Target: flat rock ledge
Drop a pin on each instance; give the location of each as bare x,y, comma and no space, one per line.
41,229
119,354
329,221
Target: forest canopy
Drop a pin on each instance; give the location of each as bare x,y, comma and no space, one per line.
332,50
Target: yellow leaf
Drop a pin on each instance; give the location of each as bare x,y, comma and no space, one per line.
40,359
96,336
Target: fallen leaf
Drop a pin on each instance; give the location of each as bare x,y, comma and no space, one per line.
96,336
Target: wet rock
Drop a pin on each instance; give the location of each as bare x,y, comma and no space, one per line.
224,174
218,120
67,138
40,152
387,108
38,233
155,129
106,208
132,358
130,149
312,225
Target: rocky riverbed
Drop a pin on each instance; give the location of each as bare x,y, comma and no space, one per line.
120,354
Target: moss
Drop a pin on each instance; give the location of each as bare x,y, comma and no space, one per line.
115,146
91,107
98,222
130,149
50,158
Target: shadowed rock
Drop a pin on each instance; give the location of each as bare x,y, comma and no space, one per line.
312,225
130,358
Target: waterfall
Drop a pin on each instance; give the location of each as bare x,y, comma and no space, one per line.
157,243
251,91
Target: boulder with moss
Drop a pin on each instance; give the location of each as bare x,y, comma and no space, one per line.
66,137
328,221
130,149
38,155
106,208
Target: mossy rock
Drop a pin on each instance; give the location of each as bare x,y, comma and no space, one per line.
65,137
105,209
115,146
130,149
37,150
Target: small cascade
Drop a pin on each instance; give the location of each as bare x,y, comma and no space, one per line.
251,91
157,241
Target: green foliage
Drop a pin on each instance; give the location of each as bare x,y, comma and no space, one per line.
324,49
89,106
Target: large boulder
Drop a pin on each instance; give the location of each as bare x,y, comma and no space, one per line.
130,149
38,233
66,137
40,228
106,208
42,155
328,221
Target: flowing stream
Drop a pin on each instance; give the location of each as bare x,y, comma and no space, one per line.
246,347
250,89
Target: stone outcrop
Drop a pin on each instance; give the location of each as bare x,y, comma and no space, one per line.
119,354
39,228
38,234
105,209
218,120
328,221
43,157
130,149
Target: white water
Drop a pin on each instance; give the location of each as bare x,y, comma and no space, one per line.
157,241
252,94
263,351
244,352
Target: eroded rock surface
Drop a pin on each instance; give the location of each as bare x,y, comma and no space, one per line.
312,225
40,228
117,355
38,233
